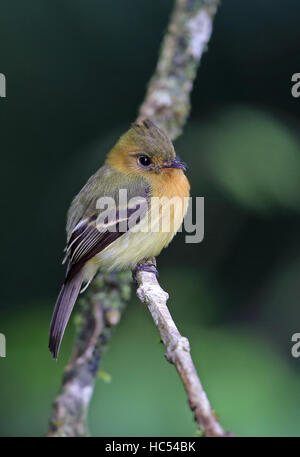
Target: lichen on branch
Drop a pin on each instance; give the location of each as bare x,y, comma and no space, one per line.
167,101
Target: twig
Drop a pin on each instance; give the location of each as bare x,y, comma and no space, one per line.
177,351
168,103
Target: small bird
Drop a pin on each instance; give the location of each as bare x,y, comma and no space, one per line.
144,164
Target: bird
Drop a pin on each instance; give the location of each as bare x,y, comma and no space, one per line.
144,164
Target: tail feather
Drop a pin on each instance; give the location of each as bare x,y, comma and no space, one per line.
62,311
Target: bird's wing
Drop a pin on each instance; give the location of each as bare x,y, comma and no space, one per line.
93,233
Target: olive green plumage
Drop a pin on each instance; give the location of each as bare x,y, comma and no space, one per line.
143,163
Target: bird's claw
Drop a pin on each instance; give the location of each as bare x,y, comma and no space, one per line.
145,266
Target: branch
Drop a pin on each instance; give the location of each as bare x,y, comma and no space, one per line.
167,102
177,351
101,310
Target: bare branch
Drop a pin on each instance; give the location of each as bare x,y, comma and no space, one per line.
167,101
101,310
177,351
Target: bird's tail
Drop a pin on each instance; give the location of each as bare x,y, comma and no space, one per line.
62,311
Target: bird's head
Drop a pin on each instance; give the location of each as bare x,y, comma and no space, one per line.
144,149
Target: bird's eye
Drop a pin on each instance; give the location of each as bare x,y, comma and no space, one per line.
145,161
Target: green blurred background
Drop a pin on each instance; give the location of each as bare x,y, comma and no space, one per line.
76,73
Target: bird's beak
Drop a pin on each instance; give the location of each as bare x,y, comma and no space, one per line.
175,163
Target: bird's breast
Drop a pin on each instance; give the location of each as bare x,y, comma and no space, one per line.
167,207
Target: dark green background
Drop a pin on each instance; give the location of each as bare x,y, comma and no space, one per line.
76,73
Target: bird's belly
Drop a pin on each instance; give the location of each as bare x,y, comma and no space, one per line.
129,249
155,231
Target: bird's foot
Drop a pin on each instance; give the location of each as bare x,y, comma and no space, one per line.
148,265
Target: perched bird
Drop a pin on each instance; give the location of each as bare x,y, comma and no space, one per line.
144,164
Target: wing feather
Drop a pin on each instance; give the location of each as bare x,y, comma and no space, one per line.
89,237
